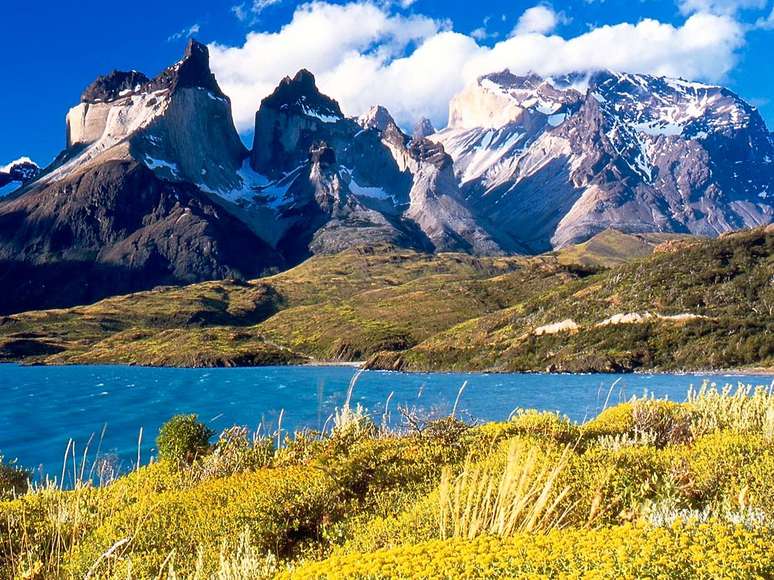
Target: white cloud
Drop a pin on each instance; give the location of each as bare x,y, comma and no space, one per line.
724,7
479,33
240,11
261,5
766,23
185,33
244,12
363,54
540,19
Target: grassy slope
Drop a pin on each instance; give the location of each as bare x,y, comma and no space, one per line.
726,282
612,248
219,323
407,310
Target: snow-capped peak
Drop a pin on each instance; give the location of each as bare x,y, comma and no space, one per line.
666,106
21,161
377,117
496,99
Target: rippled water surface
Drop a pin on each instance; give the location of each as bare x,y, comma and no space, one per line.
42,408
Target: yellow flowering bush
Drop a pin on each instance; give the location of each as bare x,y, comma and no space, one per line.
712,550
648,489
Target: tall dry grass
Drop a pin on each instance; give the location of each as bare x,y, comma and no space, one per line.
523,498
746,409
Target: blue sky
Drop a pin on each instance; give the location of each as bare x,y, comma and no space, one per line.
408,55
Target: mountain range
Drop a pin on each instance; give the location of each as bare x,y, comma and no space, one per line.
155,186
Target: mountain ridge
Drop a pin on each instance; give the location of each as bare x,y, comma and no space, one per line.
527,164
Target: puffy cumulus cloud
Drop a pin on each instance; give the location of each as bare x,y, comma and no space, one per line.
348,44
363,54
540,19
702,48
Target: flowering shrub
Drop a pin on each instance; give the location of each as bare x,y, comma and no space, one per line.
647,489
712,550
746,409
182,439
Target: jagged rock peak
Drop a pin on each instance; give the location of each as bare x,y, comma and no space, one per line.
192,71
303,78
320,153
113,85
301,95
423,128
429,151
377,118
23,169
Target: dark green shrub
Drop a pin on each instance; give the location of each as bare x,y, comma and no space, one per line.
13,480
182,439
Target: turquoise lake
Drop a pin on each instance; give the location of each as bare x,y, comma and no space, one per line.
42,408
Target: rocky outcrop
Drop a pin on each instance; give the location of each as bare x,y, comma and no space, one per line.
178,124
423,128
113,85
21,171
389,186
290,121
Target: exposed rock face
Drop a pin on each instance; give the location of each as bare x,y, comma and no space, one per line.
113,85
383,177
114,229
23,170
179,124
423,128
555,161
126,205
290,120
333,218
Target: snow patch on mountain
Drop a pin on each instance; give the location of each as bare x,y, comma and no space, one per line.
16,162
325,118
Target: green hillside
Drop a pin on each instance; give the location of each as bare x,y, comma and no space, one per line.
690,304
698,304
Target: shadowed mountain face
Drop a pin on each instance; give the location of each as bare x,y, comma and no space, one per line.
155,186
114,229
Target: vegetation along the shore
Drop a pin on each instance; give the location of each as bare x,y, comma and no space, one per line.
649,488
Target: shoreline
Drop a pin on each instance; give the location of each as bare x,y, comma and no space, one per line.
733,372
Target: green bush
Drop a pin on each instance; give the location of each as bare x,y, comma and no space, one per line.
13,480
182,439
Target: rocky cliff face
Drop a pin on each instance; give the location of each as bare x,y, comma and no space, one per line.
155,186
178,124
126,205
401,189
555,161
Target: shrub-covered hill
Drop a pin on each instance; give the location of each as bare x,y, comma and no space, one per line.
219,323
692,304
648,489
